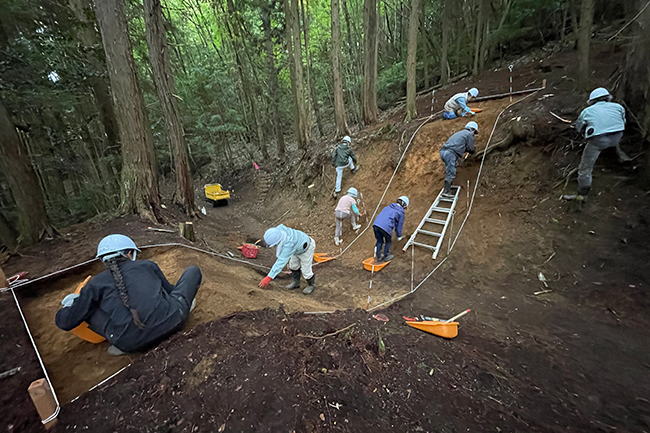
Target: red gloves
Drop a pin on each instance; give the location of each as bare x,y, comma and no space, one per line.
265,282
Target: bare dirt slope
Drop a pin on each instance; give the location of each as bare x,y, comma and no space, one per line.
573,359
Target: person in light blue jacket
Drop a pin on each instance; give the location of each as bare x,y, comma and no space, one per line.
603,123
456,106
296,248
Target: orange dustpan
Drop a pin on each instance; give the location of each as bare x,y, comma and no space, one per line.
476,110
370,262
83,331
441,329
322,257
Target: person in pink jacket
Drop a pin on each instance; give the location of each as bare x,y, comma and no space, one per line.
347,208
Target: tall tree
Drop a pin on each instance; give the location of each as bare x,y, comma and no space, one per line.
370,29
33,221
276,123
310,81
164,80
139,187
446,27
411,109
292,17
584,42
423,33
339,106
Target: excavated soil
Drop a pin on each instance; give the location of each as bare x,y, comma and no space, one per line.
570,359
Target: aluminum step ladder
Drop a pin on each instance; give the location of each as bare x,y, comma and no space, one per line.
437,220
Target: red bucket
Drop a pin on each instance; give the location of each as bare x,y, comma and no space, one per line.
250,250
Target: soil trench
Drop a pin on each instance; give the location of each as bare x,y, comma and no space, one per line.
75,365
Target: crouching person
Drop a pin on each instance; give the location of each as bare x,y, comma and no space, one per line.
346,208
131,303
295,247
390,218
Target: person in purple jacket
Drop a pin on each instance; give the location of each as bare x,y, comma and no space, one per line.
390,218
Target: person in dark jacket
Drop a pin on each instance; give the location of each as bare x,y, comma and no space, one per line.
453,150
342,158
131,303
390,218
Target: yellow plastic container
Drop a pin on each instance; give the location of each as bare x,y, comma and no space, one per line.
441,329
214,192
83,331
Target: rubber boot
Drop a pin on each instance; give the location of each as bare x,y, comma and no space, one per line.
389,257
379,258
337,241
310,285
446,192
356,227
295,280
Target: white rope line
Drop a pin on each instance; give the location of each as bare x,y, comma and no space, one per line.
40,360
102,382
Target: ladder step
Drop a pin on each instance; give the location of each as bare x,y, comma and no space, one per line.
446,199
435,221
426,232
424,245
441,209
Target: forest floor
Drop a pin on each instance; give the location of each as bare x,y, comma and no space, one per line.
572,360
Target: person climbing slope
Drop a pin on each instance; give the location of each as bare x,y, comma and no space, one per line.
295,247
453,150
343,157
456,106
346,208
603,123
390,218
131,303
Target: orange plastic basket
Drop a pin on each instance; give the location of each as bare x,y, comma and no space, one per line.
368,264
441,329
83,331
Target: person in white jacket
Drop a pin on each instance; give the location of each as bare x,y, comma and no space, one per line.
294,247
346,208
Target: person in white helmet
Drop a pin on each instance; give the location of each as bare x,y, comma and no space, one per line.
296,248
390,218
453,151
456,106
603,123
346,208
131,303
342,158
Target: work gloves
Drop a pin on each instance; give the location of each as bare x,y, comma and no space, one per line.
265,282
69,300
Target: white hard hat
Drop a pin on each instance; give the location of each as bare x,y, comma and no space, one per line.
347,138
405,201
352,192
598,93
473,91
472,125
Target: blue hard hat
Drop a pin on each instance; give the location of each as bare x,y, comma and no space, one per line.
114,244
473,91
352,192
598,93
272,236
472,125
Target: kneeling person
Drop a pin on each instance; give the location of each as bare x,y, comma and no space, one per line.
131,303
295,247
346,208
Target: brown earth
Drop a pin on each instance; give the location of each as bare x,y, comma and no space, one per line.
573,359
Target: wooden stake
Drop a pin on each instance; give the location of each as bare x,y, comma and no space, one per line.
3,280
187,231
43,399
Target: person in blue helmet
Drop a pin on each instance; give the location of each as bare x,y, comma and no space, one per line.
456,106
296,248
390,218
453,150
603,123
131,303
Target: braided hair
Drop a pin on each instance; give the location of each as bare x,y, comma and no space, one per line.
112,264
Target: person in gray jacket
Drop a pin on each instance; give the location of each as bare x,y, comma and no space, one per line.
603,123
453,150
343,157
